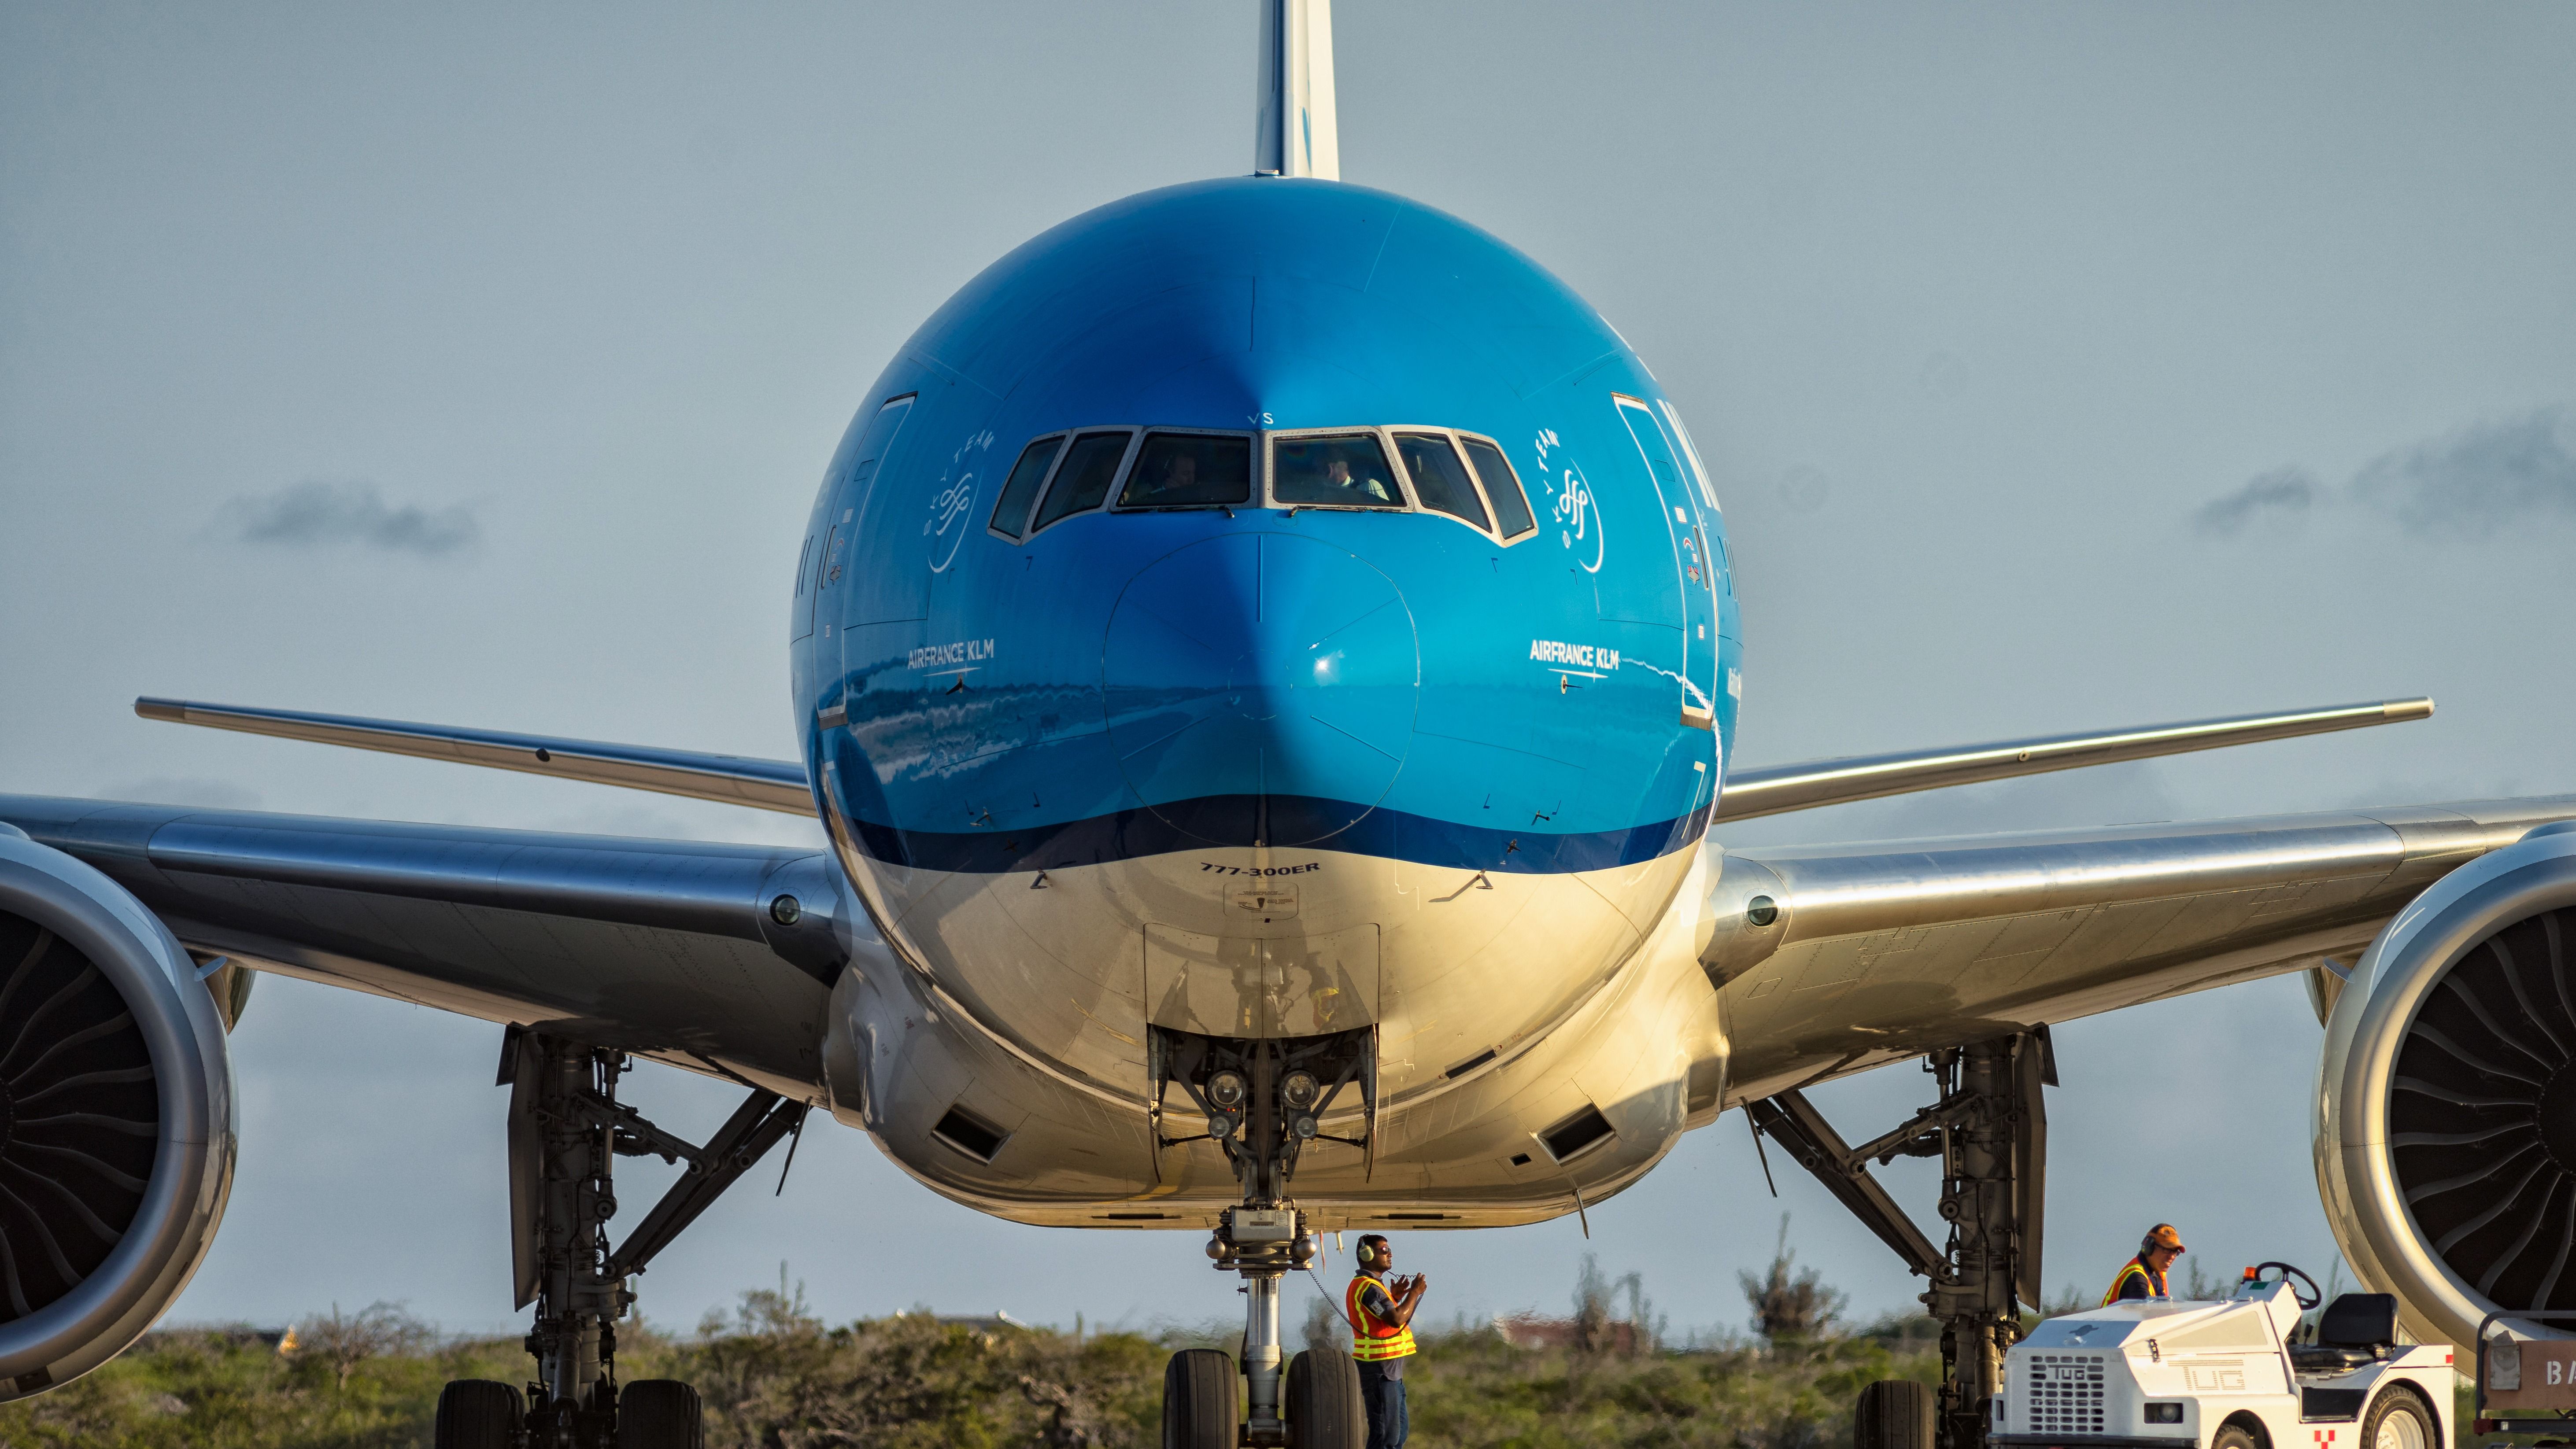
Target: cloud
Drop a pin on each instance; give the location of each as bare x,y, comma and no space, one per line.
2283,491
1806,489
2479,479
2473,482
320,514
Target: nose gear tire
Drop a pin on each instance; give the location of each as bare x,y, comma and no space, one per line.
1324,1406
1200,1405
660,1414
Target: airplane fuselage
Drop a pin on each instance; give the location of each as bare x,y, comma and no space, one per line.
1266,608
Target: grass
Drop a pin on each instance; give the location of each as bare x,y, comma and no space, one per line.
775,1376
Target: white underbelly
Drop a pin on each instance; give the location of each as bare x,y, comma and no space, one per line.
1504,1004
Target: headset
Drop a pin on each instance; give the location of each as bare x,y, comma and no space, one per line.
1369,1255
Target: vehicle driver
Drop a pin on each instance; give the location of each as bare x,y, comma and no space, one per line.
2144,1275
1381,1314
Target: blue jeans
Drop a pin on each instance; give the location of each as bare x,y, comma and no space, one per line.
1384,1399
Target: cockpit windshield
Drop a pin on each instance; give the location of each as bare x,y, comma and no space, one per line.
1083,479
1011,510
1439,480
1403,468
1511,510
1333,472
1180,470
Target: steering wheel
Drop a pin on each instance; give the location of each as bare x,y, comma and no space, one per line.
2309,1299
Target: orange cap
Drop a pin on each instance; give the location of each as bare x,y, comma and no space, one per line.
2162,1235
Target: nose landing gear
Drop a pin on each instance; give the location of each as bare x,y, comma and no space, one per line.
567,1129
1264,1100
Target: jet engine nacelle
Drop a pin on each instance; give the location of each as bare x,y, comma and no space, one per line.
116,1117
2446,1099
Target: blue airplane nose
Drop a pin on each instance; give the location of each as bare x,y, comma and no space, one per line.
1319,670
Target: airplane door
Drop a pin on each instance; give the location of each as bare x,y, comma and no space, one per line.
1686,515
839,563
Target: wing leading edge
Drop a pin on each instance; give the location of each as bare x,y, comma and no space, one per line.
778,785
676,950
1833,959
1776,789
782,785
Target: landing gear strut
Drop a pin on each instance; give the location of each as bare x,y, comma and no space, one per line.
567,1130
1264,1100
1990,1130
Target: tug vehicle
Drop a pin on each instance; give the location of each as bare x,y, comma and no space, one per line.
2229,1373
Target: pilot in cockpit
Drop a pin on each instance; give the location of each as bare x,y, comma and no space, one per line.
1338,474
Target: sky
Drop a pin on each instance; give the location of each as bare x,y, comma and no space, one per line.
2059,367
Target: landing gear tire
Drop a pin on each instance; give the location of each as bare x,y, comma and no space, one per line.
1895,1414
1324,1408
2398,1421
1200,1410
660,1414
478,1414
2237,1436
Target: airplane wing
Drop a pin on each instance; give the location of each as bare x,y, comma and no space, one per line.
1834,959
715,958
778,785
1776,789
781,785
1861,955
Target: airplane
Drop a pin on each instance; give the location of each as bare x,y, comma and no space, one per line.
1265,657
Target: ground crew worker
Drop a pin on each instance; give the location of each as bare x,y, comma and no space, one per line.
2144,1275
1381,1314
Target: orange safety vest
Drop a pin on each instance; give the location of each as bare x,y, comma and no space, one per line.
1372,1340
2155,1281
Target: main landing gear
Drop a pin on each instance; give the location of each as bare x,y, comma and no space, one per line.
1990,1130
567,1130
1264,1101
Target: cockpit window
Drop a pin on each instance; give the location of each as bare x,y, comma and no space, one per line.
1439,479
1511,509
1183,470
1396,468
1011,511
1332,472
1082,483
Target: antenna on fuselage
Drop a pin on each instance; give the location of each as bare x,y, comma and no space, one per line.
1294,133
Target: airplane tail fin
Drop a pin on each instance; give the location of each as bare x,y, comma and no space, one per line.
1295,132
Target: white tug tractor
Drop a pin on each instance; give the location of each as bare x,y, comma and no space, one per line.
2229,1373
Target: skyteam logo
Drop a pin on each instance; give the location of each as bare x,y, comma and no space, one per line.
1577,514
950,503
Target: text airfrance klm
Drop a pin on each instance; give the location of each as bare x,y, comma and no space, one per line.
941,656
1581,656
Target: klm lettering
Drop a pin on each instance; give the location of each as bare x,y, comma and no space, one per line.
948,656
